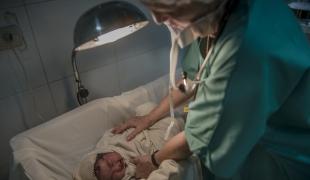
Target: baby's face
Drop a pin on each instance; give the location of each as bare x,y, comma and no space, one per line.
109,166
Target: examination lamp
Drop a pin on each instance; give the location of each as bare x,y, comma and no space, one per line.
104,23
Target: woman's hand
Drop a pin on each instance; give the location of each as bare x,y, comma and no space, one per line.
138,122
144,166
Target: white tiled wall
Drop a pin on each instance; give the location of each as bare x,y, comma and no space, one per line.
10,3
15,3
62,92
11,123
40,103
148,65
9,83
27,56
146,39
48,27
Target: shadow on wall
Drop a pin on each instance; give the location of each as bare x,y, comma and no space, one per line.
69,100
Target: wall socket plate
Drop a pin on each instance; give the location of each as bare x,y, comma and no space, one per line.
11,37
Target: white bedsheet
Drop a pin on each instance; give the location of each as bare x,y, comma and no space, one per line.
52,150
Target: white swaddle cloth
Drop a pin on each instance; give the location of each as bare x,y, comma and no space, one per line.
145,142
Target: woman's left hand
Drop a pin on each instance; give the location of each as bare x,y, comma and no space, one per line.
144,166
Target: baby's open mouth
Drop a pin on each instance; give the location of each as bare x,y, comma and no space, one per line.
121,165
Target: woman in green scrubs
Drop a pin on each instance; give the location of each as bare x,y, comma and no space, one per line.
250,117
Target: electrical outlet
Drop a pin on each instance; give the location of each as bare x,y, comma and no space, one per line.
10,37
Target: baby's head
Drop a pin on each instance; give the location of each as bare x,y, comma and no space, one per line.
102,166
109,166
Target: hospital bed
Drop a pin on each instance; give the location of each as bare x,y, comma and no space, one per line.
51,151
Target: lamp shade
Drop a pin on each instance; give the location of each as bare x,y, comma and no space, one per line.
107,23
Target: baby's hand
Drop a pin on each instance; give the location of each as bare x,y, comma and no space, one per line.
144,166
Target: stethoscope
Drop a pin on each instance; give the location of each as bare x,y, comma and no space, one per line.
187,85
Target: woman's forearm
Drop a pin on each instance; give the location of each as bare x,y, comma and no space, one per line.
176,148
162,109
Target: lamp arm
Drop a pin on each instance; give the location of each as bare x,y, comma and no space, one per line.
75,69
81,91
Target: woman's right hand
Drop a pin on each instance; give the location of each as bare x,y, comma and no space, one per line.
139,123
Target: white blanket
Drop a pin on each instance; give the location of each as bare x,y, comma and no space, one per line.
52,150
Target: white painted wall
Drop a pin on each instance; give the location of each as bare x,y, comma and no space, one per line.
48,26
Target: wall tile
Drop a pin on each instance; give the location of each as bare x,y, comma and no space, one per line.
144,68
17,3
96,57
38,106
10,124
101,82
15,16
64,95
9,84
18,113
146,39
33,69
26,55
36,1
16,77
10,3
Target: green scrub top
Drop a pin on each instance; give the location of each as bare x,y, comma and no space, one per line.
255,91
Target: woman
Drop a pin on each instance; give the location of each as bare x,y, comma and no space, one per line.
250,117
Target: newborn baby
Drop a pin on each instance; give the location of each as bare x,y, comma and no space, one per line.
109,166
110,160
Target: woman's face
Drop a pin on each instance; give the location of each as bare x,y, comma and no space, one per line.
178,17
109,166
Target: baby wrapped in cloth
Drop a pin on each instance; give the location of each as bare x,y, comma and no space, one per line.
146,142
